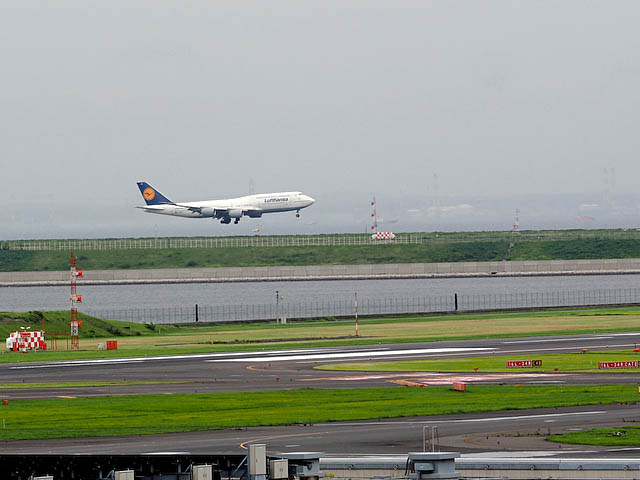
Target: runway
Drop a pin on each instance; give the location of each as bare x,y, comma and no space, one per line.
294,368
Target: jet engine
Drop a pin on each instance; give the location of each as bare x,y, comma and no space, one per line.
207,212
235,213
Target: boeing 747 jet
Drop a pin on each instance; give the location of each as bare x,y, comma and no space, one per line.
253,206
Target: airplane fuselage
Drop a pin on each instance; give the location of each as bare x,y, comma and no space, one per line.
234,208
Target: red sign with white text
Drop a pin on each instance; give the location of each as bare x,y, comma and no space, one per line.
627,364
519,363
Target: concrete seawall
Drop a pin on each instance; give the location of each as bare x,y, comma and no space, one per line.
328,272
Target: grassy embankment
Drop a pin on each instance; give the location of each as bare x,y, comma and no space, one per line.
15,261
58,321
148,414
440,251
140,339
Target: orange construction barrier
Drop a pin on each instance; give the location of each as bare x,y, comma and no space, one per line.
459,386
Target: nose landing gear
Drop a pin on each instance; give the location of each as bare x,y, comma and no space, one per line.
298,214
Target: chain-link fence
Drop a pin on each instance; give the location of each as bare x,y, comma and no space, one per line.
312,240
507,301
370,306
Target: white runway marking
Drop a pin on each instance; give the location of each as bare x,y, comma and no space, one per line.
322,356
557,340
543,382
75,364
519,454
594,337
405,357
107,361
167,453
527,417
574,348
472,420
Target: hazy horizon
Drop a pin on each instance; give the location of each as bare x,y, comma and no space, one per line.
344,213
434,107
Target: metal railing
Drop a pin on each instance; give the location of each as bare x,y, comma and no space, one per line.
370,306
312,240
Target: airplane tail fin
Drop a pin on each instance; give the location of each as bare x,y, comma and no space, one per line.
151,195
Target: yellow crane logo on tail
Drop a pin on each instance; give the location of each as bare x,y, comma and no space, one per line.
149,193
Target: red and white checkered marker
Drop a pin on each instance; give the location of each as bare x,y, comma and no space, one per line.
383,236
26,340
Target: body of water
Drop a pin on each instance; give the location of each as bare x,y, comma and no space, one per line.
260,293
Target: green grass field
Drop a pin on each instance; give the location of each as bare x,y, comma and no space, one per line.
147,414
141,339
449,247
551,362
615,437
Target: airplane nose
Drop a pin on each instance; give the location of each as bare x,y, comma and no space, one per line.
310,200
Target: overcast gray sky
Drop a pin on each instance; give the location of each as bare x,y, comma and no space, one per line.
201,98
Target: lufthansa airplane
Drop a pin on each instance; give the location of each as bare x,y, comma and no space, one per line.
231,208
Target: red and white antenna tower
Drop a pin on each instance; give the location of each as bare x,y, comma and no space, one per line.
374,216
75,299
516,222
515,230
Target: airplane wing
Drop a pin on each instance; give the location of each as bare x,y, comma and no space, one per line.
151,209
223,211
220,212
238,211
191,208
251,209
202,210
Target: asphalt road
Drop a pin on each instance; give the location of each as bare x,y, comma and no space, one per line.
286,369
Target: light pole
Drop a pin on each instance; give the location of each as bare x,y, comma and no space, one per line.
277,307
356,311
